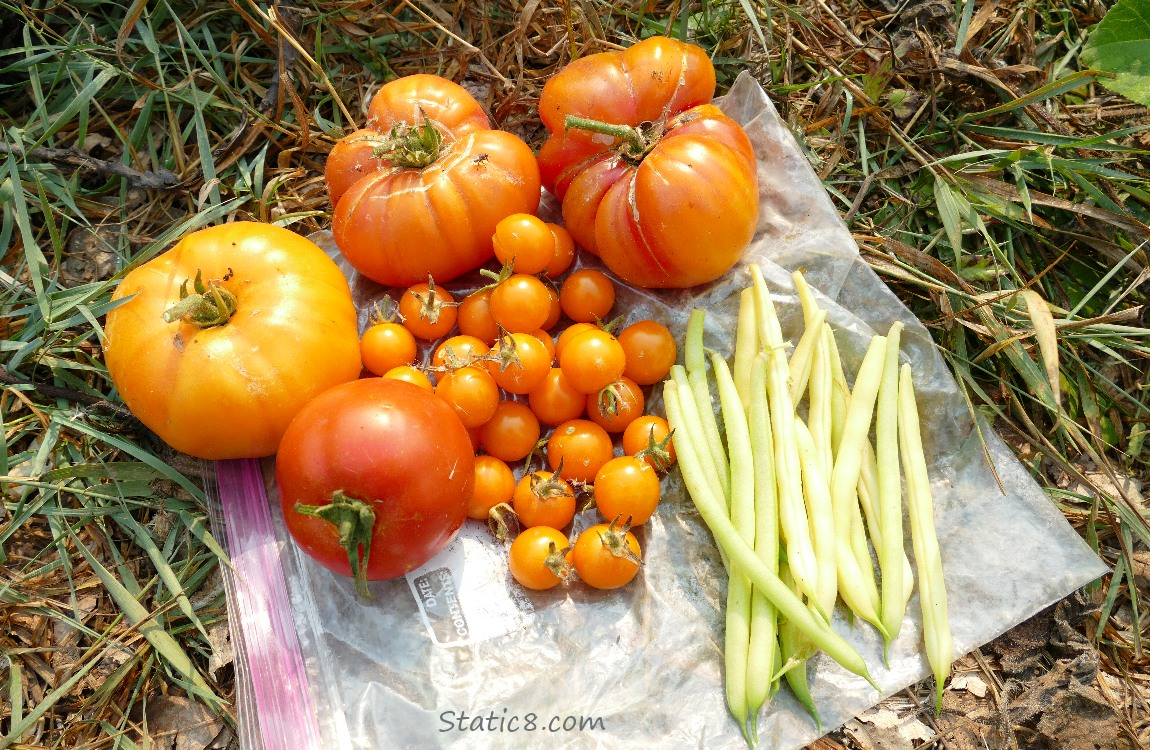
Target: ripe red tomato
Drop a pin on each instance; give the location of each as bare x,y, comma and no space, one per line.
540,558
651,351
434,183
581,446
672,201
649,437
543,498
587,295
616,406
607,556
375,477
627,489
494,484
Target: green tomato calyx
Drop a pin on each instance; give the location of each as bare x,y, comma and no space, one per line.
355,520
413,146
634,141
210,305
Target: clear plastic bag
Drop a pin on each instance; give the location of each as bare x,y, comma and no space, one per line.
456,655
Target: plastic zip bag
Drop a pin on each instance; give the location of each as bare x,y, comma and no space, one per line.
457,655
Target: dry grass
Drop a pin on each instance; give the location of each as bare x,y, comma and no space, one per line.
972,161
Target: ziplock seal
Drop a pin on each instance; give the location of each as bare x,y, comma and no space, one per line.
278,677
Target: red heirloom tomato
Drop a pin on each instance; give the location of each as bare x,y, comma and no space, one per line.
654,179
422,189
375,478
219,341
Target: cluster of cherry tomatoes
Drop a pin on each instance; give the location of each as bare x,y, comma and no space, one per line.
524,394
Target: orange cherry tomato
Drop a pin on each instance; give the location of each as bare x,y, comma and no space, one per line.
554,401
474,317
543,499
519,362
607,556
556,311
649,436
520,303
511,433
387,345
564,254
651,351
471,392
587,295
411,374
540,558
428,311
458,350
592,360
546,340
617,405
524,241
627,488
494,484
569,333
582,447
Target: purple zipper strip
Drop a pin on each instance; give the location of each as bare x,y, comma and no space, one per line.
284,706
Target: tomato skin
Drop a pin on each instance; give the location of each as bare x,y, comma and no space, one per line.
523,374
695,188
387,345
543,499
471,392
569,333
639,434
463,348
651,351
449,208
627,488
429,313
511,433
597,565
527,558
554,401
474,317
525,241
520,303
387,443
617,405
494,484
582,447
564,254
592,360
587,295
410,374
230,390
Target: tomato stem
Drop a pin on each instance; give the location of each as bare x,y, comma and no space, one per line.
355,520
634,145
211,305
414,146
